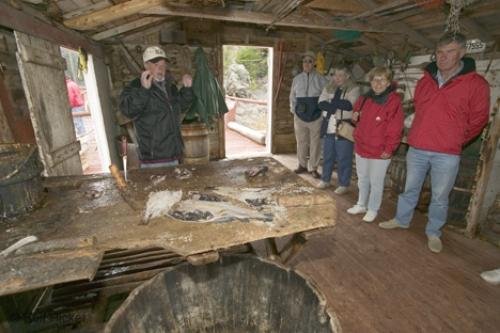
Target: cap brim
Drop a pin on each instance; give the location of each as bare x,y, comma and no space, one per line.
156,59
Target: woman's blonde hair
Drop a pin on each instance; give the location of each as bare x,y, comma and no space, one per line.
330,87
380,71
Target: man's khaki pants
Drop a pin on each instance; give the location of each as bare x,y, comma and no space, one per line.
308,142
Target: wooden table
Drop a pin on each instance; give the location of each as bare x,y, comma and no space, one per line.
91,207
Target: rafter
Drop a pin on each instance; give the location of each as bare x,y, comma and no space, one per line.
126,27
293,20
102,16
475,28
399,26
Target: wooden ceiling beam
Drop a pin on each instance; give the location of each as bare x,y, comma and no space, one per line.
476,29
293,20
132,36
378,9
19,20
109,14
126,27
88,9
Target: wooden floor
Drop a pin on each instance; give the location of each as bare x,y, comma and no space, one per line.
379,280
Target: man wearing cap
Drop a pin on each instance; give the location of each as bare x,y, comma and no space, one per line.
304,94
155,105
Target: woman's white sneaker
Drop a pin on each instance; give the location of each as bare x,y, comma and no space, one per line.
356,209
370,216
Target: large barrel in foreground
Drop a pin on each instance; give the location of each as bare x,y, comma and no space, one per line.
240,293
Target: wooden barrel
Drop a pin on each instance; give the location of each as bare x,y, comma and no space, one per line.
240,293
20,182
196,143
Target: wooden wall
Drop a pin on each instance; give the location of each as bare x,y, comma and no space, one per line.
211,36
15,122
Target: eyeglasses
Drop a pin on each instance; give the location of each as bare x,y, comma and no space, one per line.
379,80
307,61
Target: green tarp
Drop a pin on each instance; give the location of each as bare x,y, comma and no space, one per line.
209,100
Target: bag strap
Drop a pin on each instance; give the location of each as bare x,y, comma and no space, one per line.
362,103
342,110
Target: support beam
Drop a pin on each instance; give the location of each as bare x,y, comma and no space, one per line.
293,20
488,150
18,20
126,27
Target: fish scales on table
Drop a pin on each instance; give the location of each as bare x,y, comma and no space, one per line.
220,211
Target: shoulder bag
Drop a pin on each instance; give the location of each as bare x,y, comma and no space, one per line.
345,128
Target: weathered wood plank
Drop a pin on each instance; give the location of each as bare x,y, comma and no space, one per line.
19,20
102,16
23,273
49,109
126,27
488,151
293,20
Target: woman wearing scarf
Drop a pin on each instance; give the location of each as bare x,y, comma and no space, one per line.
379,123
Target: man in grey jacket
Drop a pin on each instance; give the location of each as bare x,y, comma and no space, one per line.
155,105
304,94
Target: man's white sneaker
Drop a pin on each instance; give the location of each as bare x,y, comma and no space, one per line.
391,224
356,209
322,185
341,190
434,244
492,277
370,216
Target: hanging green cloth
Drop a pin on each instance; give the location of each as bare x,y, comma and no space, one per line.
347,35
209,101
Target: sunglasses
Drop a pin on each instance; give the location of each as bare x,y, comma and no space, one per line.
307,61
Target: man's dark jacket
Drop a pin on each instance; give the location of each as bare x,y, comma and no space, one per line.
156,117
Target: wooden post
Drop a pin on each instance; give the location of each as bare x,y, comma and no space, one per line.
488,149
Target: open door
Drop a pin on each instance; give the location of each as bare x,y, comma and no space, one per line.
42,71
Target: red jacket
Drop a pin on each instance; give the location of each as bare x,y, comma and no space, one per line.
74,94
380,125
446,118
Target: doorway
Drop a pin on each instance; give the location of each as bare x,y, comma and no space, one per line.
248,86
86,113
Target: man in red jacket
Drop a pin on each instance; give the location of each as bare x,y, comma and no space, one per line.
452,106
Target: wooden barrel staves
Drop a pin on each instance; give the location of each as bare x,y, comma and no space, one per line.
196,143
239,293
20,183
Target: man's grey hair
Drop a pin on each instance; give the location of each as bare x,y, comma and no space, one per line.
451,37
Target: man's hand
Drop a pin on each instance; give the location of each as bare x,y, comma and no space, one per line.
146,79
187,80
355,116
385,156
